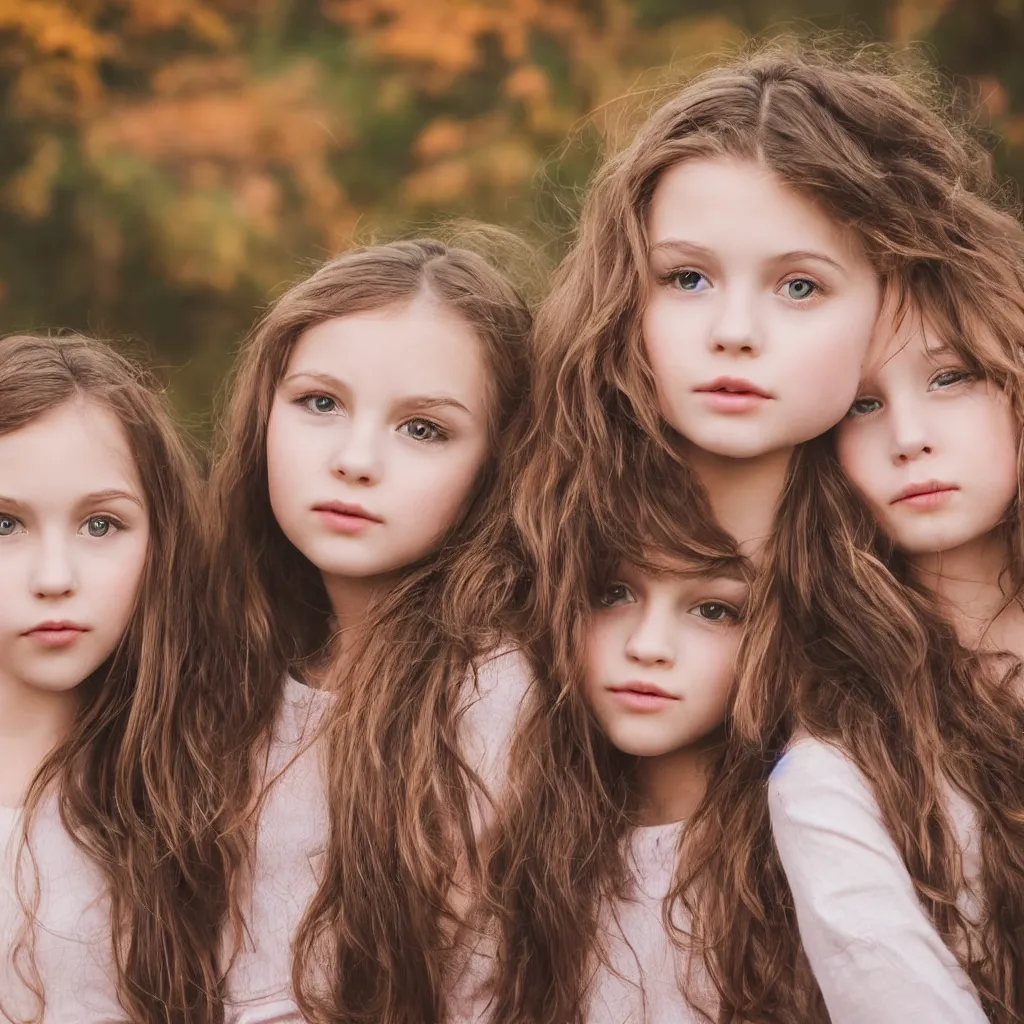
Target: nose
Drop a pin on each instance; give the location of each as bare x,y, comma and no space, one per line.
911,437
356,456
54,570
651,641
734,330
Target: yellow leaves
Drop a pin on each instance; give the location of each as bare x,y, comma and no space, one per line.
199,19
225,143
31,190
51,28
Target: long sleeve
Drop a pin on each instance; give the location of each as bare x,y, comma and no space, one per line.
873,949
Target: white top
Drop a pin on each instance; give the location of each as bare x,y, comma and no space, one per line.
645,984
72,945
293,829
871,944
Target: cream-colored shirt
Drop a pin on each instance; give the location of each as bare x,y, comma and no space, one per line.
873,949
293,828
72,946
648,974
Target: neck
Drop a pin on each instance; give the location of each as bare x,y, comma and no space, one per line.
350,599
744,493
971,584
32,722
672,785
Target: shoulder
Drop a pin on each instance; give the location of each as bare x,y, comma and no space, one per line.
811,767
503,674
494,693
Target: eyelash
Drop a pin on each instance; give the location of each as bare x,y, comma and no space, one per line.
440,434
962,377
672,276
116,523
731,613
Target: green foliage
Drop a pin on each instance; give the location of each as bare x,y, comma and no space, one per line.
167,166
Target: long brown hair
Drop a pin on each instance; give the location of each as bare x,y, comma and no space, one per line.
865,136
556,858
844,642
369,947
137,777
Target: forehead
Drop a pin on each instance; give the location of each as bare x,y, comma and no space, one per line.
723,202
905,337
669,572
75,449
419,348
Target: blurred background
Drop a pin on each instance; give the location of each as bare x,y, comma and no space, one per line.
168,166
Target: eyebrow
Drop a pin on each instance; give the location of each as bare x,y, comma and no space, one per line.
111,494
795,254
97,497
412,401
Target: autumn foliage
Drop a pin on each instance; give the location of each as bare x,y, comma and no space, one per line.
166,165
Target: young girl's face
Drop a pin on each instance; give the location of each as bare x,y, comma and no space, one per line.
377,433
932,449
661,655
74,533
759,313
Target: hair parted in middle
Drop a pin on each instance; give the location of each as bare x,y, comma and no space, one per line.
866,135
371,945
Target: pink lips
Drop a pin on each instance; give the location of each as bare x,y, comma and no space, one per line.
639,696
926,495
56,633
344,517
733,394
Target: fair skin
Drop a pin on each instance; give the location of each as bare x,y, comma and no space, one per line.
660,662
933,450
377,433
756,290
74,533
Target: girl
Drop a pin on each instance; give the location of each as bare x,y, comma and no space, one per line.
613,761
806,182
932,445
114,882
358,461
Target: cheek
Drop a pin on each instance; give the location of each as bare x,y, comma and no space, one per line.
661,328
860,457
436,490
292,455
116,580
998,435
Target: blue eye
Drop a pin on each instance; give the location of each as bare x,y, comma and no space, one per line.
99,526
423,430
800,288
863,406
319,403
688,280
947,378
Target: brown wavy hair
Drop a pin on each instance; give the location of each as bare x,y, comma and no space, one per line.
556,860
835,641
371,947
137,776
